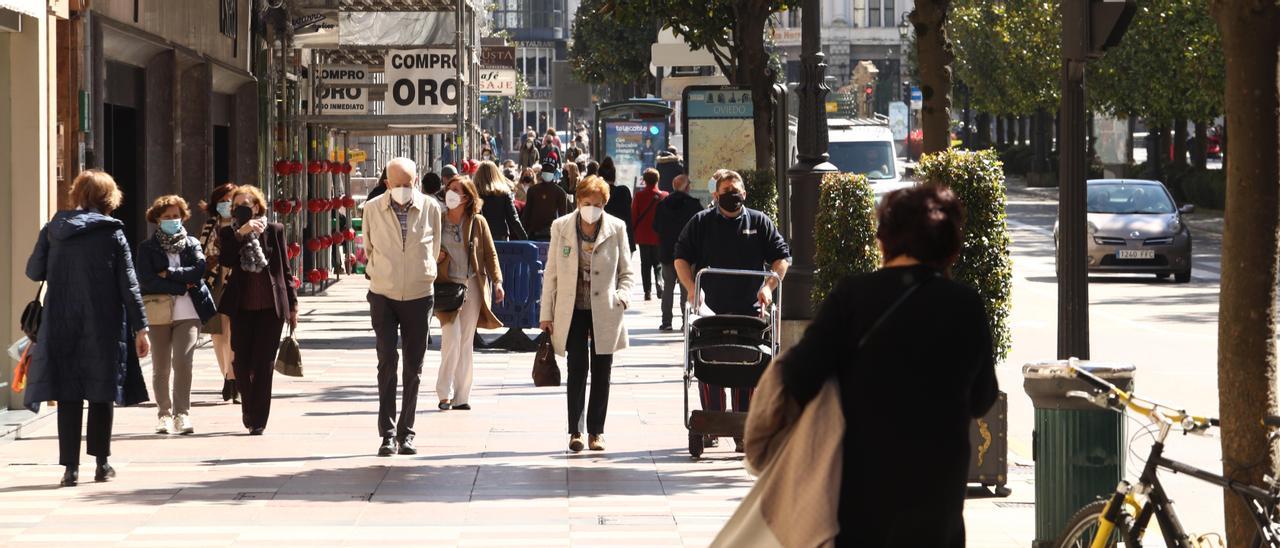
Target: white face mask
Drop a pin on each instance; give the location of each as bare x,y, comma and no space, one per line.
401,194
452,199
591,214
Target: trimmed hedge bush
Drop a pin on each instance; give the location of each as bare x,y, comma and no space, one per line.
762,191
977,178
844,232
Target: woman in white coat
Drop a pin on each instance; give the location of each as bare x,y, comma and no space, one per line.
586,288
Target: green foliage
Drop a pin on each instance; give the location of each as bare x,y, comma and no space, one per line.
610,50
1008,53
844,232
762,191
1206,188
984,264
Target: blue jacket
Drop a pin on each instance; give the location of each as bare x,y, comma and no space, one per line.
152,260
92,309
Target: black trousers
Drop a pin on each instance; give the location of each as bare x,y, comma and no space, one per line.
255,339
650,268
393,320
98,437
580,361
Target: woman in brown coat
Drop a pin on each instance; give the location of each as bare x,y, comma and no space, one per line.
468,258
259,299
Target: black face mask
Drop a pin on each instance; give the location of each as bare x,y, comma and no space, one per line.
730,202
242,214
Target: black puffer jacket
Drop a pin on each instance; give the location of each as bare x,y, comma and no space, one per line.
93,308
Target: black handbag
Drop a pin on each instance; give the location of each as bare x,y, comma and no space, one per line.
545,370
31,315
449,296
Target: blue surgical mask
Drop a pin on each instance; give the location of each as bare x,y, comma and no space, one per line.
224,209
171,226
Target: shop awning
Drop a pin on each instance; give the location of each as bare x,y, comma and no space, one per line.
33,8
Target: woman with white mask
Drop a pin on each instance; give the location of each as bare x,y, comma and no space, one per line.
466,270
586,289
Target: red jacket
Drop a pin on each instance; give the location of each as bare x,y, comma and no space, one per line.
643,209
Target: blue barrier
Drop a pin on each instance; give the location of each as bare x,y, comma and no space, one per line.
522,279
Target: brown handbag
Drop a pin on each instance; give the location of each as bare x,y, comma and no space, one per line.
545,370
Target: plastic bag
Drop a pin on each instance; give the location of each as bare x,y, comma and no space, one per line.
15,349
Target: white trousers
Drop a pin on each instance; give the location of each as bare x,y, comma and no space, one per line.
457,348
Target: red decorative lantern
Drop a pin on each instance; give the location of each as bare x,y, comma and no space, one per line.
295,249
295,281
315,276
282,167
313,205
336,202
314,167
348,202
295,167
351,235
346,168
281,206
313,245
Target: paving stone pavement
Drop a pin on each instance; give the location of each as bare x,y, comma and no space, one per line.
498,475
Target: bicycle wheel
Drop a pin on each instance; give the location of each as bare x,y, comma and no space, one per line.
1083,527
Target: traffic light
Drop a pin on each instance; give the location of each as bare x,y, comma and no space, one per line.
906,91
868,91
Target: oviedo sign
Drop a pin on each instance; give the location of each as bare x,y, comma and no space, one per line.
421,81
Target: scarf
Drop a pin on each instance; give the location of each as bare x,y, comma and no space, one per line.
252,258
172,244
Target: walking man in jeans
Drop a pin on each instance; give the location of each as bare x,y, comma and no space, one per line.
402,242
672,214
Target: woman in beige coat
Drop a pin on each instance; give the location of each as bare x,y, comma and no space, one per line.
586,288
467,257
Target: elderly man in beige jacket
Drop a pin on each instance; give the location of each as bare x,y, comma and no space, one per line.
401,238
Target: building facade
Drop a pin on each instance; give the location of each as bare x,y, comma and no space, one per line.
540,32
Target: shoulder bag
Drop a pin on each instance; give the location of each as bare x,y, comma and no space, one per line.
449,296
159,307
31,315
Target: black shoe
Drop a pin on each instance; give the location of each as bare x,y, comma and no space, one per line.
445,406
407,448
648,297
256,431
665,327
71,477
104,473
387,448
710,441
463,407
228,389
739,446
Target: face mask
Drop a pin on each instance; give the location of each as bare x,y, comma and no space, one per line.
401,194
548,177
731,201
591,214
452,199
171,226
243,214
224,209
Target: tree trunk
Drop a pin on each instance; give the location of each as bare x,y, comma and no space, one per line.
982,137
1247,309
967,117
753,71
1132,125
1015,127
1001,142
1179,143
1040,126
1199,145
1157,151
933,52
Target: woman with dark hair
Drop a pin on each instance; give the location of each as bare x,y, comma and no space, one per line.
905,326
218,208
619,199
432,184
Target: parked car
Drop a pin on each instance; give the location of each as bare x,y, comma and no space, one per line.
1134,227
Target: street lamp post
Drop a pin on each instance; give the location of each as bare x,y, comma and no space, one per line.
904,32
811,165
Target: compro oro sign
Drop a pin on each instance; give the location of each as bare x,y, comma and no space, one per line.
332,97
422,81
498,82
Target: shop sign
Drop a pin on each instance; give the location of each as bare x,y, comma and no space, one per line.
498,57
421,81
498,82
351,75
330,100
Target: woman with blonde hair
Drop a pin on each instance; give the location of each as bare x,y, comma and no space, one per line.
260,298
218,209
93,330
586,289
499,208
468,264
569,182
171,268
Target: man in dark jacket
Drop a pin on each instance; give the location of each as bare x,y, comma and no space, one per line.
669,166
669,219
544,203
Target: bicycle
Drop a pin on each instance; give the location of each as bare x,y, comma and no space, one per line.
1122,519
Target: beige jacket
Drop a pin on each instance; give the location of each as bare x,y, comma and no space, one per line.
798,456
402,269
484,262
611,281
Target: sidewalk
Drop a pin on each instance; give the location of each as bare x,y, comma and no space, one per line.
495,476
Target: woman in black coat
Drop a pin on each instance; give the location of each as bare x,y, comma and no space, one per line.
259,299
171,267
619,199
93,330
499,209
932,346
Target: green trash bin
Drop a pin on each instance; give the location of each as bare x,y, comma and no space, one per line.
1078,448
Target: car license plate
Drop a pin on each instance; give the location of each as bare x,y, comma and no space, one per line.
1136,254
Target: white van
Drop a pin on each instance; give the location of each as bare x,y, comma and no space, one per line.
866,146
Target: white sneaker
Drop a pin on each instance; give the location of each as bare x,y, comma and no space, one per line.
165,425
183,425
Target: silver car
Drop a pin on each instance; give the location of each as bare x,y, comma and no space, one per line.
1134,227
